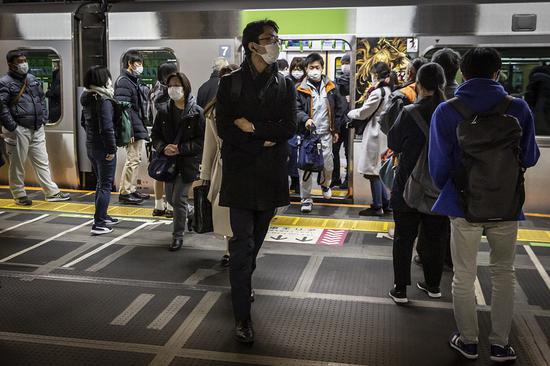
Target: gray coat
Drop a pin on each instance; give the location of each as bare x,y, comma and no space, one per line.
30,110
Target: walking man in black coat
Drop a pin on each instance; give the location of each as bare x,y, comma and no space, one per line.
256,115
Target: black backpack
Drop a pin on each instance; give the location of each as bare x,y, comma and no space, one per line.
398,101
490,181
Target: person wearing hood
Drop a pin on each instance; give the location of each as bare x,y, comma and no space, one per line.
537,96
23,115
129,88
97,119
180,119
255,117
320,109
159,95
207,91
479,93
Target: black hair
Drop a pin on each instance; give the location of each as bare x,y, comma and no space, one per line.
414,65
96,76
394,80
346,58
165,69
184,82
431,77
381,70
449,60
282,64
480,62
542,69
228,69
296,63
312,57
131,57
252,32
13,54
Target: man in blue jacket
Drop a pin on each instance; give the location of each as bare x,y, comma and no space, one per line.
23,115
481,93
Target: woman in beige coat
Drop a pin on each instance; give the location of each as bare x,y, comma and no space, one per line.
211,170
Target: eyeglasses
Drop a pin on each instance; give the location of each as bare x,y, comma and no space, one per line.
272,40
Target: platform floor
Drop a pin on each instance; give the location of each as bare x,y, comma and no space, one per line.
68,298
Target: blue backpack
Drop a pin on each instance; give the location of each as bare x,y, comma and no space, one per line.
310,154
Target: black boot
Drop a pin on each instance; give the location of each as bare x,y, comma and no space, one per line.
176,244
295,184
244,332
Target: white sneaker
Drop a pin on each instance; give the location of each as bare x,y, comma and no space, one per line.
307,206
327,192
100,230
58,197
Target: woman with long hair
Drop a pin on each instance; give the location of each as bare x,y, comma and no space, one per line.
211,170
407,139
178,132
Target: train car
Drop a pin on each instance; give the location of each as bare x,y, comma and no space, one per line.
64,40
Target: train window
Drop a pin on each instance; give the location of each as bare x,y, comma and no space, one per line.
151,60
517,66
45,65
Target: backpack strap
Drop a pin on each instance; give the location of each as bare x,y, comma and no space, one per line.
20,94
420,121
503,105
462,108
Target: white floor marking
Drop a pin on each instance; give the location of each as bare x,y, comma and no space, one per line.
479,293
308,275
167,314
24,223
99,249
133,309
538,265
109,259
45,241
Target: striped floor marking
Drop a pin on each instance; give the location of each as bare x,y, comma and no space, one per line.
535,236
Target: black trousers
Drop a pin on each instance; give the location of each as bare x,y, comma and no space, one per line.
249,230
421,239
344,139
436,234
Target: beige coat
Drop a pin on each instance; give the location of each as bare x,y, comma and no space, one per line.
211,169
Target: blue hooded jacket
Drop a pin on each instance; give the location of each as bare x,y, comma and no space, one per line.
444,154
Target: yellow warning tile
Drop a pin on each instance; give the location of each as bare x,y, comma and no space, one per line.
540,236
335,192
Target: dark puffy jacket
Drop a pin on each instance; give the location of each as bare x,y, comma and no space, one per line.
128,88
208,90
255,177
305,105
406,139
30,111
97,120
538,98
343,88
166,129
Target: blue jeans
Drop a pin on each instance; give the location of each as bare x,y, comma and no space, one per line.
105,174
379,193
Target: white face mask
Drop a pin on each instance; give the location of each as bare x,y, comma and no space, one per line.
138,70
272,53
22,68
314,75
284,72
109,84
346,69
175,92
297,74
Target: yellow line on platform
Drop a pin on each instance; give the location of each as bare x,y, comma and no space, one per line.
538,236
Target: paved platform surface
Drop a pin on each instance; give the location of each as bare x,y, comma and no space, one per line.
68,298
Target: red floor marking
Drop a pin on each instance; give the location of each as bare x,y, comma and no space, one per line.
333,237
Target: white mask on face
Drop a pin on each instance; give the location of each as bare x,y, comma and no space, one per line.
109,84
175,92
138,70
314,75
297,74
284,72
22,68
346,69
272,53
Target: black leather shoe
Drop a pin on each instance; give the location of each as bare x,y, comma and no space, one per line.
244,332
157,212
176,244
143,196
252,295
129,199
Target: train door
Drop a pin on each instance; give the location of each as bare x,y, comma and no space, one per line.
332,51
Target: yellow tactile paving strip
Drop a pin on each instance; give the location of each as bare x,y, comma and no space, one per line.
539,236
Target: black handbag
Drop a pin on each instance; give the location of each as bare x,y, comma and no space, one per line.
202,220
161,167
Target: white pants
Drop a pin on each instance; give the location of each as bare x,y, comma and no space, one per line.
305,187
465,239
26,143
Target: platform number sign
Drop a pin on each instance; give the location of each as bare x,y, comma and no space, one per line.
225,51
412,45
